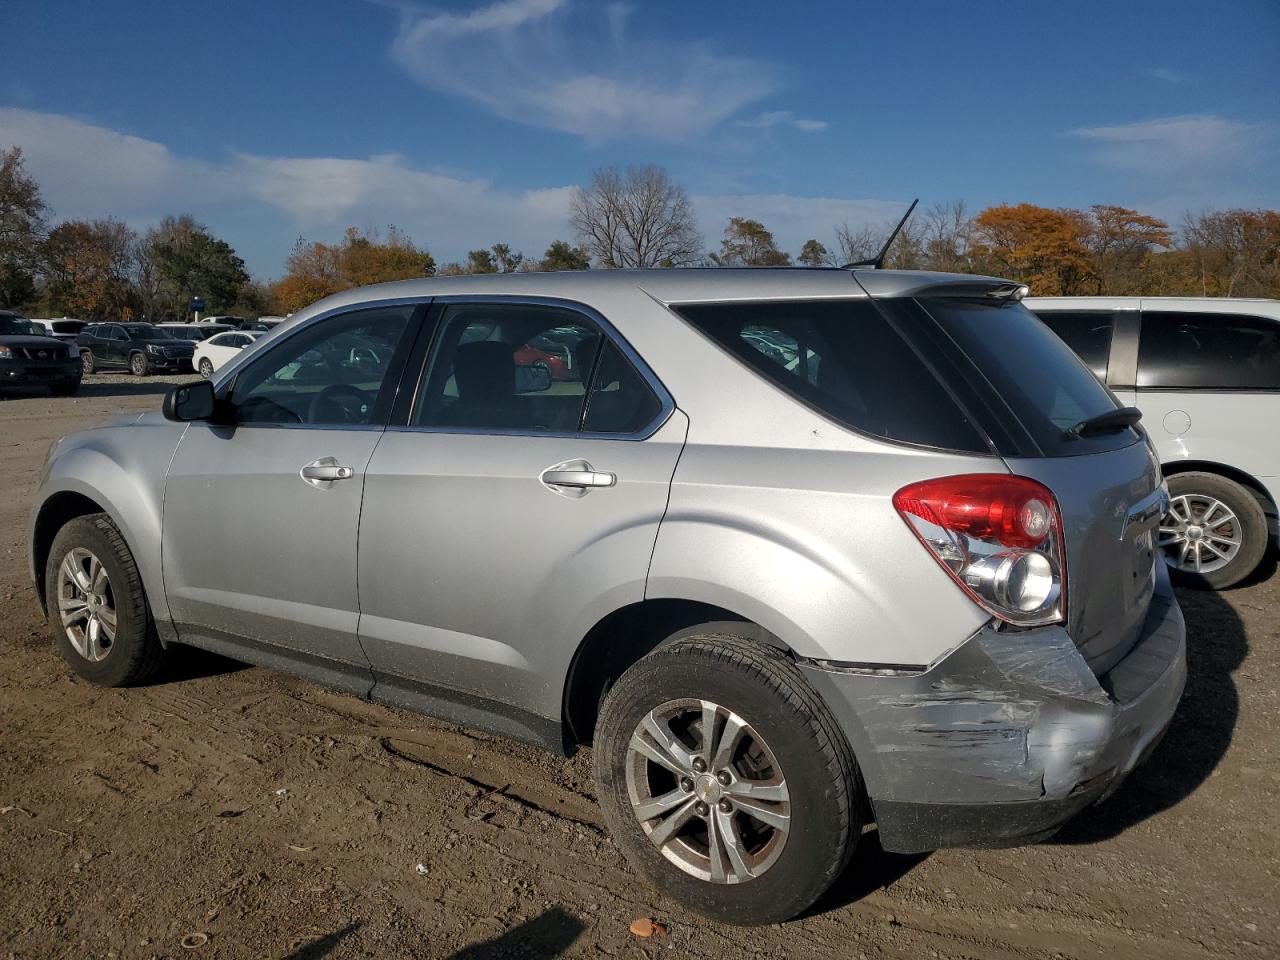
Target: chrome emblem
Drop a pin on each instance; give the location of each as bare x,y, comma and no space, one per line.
43,354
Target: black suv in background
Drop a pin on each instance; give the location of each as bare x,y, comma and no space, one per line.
29,355
140,348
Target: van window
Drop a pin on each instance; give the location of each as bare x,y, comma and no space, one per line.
1087,333
1206,351
843,359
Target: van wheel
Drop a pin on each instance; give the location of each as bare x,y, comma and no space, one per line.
98,611
725,779
139,365
86,362
1215,532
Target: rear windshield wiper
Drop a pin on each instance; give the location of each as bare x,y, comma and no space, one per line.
1112,421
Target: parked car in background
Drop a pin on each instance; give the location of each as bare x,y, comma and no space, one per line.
195,332
140,348
1206,374
212,353
222,319
66,329
28,355
262,324
901,569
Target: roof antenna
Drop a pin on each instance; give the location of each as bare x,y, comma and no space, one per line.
877,262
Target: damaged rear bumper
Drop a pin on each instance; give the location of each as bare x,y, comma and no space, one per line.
1006,738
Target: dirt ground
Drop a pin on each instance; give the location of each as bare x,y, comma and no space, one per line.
260,816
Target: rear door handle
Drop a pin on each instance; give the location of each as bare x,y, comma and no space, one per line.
579,478
322,472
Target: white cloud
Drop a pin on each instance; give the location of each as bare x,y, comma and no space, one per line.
1180,146
1165,74
576,68
783,118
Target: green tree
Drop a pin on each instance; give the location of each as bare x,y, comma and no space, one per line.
561,256
814,254
507,261
747,243
481,261
22,228
180,259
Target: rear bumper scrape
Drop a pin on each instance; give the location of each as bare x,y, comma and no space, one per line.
1006,738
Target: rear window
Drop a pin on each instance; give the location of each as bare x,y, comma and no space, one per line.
1035,374
1208,351
1088,334
843,359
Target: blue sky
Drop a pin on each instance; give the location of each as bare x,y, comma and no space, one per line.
467,124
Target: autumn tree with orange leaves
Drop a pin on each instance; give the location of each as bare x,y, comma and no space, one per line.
315,270
1041,247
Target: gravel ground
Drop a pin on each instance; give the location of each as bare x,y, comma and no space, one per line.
260,816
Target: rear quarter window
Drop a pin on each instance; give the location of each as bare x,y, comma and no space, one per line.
1088,333
1207,351
843,359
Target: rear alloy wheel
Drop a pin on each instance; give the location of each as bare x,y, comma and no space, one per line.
206,368
98,611
725,779
1215,532
139,365
86,362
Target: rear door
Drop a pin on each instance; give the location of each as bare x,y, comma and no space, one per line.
515,504
1108,485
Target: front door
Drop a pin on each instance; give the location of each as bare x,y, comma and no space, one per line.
514,507
262,509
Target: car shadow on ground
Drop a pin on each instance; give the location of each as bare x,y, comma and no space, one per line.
872,868
126,388
322,946
192,663
1199,735
549,934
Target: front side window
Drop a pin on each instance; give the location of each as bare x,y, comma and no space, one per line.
1088,334
1208,351
339,371
842,358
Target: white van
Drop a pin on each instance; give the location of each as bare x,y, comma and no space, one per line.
1205,372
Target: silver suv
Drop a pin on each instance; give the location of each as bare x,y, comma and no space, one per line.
793,550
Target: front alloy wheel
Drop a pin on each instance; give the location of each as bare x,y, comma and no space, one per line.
86,604
708,791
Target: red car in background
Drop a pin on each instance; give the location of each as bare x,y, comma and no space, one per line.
555,351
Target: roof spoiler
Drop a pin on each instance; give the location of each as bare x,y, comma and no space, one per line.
877,262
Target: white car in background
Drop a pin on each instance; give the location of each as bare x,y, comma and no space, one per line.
1205,371
212,353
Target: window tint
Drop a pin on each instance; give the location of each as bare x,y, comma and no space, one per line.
842,358
1041,381
1208,350
1088,334
620,401
509,367
336,372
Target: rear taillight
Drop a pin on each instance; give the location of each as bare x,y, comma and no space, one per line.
1000,538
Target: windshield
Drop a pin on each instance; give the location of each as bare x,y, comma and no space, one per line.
1046,386
18,327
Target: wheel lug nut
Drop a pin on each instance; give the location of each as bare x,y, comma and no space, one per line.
701,809
725,806
699,765
724,778
686,785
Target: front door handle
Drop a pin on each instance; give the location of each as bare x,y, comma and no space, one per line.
322,472
579,478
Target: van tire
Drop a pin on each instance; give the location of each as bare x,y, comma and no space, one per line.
764,688
1252,522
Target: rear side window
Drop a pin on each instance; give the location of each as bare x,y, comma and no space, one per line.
842,358
1088,334
1208,351
1033,373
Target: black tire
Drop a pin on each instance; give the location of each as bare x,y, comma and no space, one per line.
139,365
1253,529
87,363
64,388
206,368
767,690
135,653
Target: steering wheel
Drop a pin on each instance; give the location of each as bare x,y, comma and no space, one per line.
339,403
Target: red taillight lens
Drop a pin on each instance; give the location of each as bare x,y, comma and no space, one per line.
998,536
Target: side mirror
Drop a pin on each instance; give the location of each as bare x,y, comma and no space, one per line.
190,401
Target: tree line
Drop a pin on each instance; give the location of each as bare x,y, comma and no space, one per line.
637,217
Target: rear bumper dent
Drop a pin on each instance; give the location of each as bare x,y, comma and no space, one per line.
1005,739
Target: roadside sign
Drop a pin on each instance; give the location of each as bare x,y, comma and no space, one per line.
197,304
